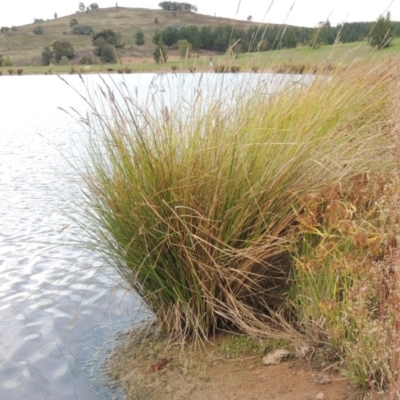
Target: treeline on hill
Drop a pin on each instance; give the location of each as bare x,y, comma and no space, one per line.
263,38
176,6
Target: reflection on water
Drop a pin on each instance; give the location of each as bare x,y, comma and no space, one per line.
57,313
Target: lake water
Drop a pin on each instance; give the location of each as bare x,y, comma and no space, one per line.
59,306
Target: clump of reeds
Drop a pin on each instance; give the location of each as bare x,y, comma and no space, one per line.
174,68
10,71
127,70
203,210
20,71
219,69
255,68
293,68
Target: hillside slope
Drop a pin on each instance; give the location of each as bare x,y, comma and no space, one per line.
25,48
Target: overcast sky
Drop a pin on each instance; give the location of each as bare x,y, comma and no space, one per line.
303,13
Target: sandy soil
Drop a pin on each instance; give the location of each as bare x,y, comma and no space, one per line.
151,369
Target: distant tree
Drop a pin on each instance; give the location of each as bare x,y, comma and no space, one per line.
184,48
315,40
55,15
176,6
170,36
106,52
249,18
382,32
157,37
38,30
106,41
63,48
38,20
160,54
82,30
14,28
82,7
109,37
73,22
206,37
94,6
4,29
139,38
47,56
291,41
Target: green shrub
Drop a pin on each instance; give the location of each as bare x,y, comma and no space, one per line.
139,38
6,62
73,22
20,71
174,68
127,70
107,53
38,30
184,48
47,56
62,48
82,30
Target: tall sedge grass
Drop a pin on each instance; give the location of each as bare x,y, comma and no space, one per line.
201,204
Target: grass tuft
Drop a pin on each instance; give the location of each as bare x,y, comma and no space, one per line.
256,208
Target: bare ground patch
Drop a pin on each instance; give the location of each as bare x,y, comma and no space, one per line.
148,367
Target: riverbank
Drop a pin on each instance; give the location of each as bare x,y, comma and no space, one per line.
227,368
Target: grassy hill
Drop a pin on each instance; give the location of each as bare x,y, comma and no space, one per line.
24,47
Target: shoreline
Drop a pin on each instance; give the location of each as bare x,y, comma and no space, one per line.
148,366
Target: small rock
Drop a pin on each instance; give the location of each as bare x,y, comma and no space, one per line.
321,379
320,396
276,357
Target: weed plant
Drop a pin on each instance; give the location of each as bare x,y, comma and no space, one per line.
255,206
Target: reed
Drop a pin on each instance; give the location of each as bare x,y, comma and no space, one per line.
200,204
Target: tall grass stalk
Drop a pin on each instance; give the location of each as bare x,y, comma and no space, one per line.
196,201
